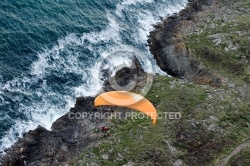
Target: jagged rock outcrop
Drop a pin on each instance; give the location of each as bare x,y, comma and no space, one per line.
69,136
132,78
167,46
72,133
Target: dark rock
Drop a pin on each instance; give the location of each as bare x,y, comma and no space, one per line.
69,135
168,48
134,76
67,138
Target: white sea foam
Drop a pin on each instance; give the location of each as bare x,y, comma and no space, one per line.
63,58
130,2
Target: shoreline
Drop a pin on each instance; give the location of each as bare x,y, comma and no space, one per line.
62,129
12,132
168,48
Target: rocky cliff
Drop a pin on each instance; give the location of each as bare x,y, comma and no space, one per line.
167,45
206,43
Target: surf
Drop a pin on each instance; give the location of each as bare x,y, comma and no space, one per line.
69,69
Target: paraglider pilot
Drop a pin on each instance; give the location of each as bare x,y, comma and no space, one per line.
104,129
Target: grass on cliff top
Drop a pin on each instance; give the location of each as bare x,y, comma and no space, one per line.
139,141
188,138
210,127
233,63
234,121
241,159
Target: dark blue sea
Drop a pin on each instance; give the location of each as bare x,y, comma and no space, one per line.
50,49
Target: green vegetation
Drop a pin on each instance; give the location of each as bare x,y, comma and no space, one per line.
214,119
138,140
225,48
198,138
241,159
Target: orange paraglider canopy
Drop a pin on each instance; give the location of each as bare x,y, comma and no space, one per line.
127,99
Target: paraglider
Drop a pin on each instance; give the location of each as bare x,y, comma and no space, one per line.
127,99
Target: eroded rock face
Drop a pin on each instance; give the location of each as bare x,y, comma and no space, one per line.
72,133
67,139
167,46
132,78
70,136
